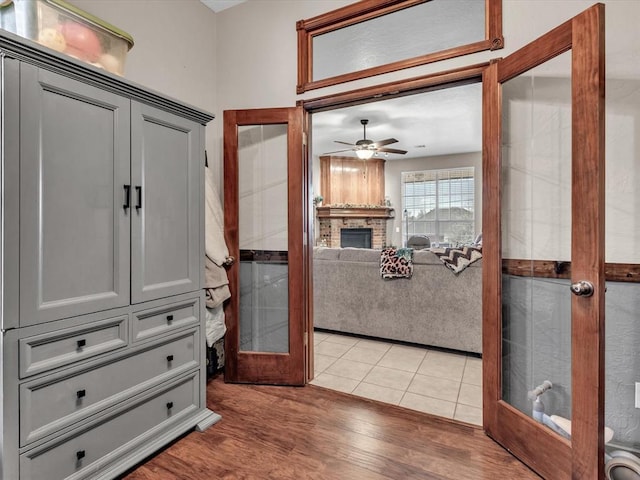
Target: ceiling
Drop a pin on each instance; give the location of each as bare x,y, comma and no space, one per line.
440,122
219,5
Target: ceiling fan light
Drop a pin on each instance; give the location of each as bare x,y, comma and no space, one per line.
364,154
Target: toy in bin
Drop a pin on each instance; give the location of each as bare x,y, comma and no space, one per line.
65,28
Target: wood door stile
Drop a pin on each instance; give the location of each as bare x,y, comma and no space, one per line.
613,272
491,249
588,200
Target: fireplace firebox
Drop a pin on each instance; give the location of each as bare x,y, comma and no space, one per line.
356,237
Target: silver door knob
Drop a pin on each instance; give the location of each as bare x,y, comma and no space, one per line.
582,288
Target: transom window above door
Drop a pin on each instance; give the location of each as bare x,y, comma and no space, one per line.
372,37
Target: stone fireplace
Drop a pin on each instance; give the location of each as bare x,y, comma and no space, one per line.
353,193
333,219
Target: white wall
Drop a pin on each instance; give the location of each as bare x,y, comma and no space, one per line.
260,70
174,48
246,57
392,188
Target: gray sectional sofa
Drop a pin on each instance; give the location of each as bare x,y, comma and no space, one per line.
435,307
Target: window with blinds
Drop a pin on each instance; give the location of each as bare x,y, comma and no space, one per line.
439,204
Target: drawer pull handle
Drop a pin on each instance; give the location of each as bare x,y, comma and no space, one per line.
169,358
169,318
81,393
80,454
169,405
82,343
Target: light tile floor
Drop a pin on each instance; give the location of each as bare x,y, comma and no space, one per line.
444,384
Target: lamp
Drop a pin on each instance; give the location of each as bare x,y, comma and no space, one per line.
364,153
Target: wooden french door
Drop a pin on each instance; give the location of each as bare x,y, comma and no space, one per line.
265,198
543,226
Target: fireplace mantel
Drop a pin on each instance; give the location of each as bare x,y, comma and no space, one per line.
342,211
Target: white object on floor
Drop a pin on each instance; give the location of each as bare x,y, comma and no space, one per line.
214,324
565,424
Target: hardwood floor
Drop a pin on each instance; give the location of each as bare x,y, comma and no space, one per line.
279,433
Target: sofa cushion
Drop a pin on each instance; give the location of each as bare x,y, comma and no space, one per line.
360,255
325,253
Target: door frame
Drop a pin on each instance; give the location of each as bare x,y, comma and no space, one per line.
546,452
432,82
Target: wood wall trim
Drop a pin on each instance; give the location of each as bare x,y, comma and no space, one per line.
614,272
347,15
424,83
366,10
330,211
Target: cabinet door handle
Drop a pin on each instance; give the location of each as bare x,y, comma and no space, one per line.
169,318
127,197
81,343
81,393
80,454
169,405
169,358
138,197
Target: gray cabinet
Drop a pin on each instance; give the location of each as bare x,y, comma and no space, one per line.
102,310
165,175
74,161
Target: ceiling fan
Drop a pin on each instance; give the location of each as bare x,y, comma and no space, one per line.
366,148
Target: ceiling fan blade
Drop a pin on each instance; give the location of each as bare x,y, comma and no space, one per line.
392,150
344,143
382,143
339,151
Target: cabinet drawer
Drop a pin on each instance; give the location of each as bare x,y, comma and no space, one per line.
155,321
91,449
54,402
44,352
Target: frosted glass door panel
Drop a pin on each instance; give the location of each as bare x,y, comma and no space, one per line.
263,238
419,30
536,226
622,241
262,187
264,301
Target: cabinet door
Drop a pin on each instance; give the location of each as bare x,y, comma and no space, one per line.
166,253
74,229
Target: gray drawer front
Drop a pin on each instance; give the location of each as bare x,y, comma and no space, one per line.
52,403
156,321
108,440
63,347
